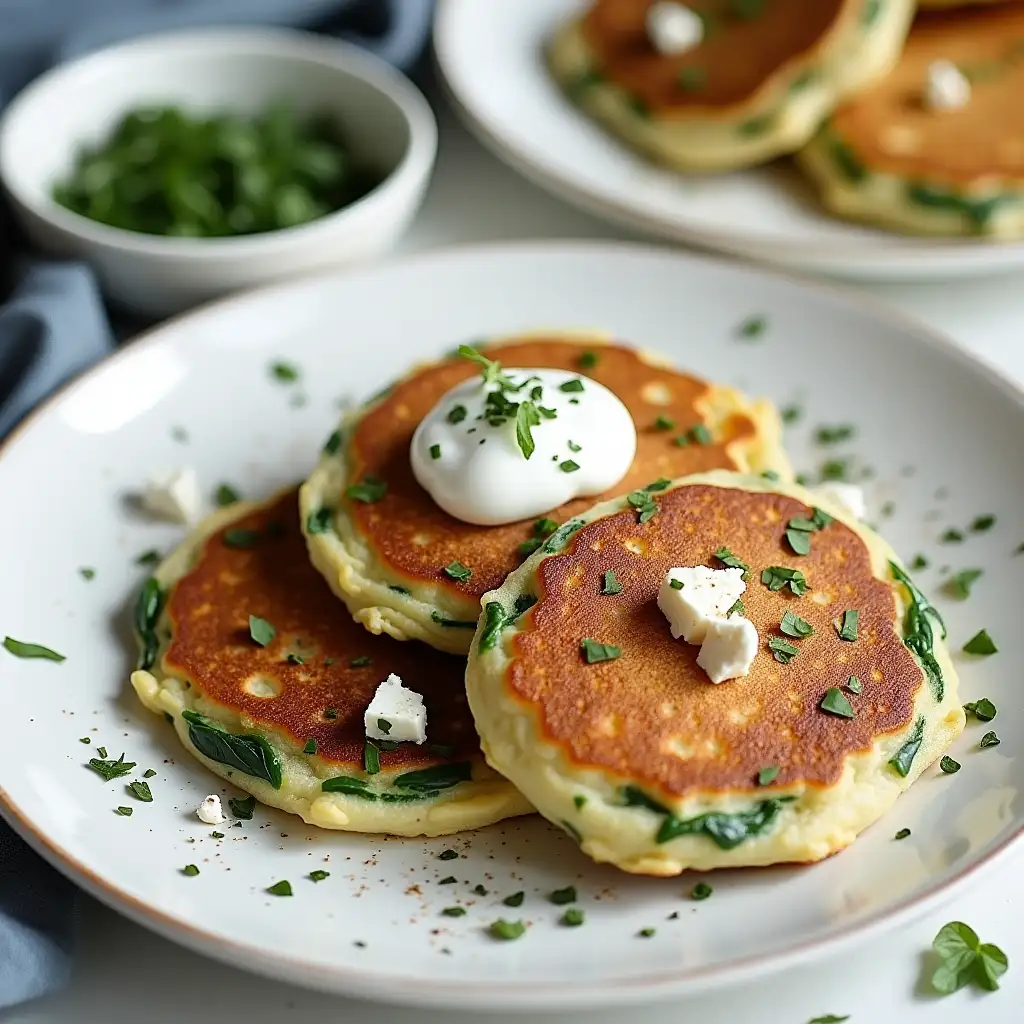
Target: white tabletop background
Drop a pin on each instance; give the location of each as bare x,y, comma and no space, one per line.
126,974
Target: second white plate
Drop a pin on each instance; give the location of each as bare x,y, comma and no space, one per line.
491,55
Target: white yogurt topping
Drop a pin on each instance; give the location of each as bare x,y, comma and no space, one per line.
210,810
468,452
673,28
849,497
947,88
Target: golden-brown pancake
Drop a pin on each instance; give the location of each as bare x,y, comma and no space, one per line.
386,558
888,157
284,719
647,762
756,85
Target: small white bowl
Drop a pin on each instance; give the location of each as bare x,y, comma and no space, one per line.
385,117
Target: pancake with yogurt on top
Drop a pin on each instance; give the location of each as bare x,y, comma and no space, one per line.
714,85
406,567
938,147
277,704
617,731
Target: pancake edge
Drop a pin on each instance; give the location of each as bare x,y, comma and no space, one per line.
818,823
784,113
486,799
359,578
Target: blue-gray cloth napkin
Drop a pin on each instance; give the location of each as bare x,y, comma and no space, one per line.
53,325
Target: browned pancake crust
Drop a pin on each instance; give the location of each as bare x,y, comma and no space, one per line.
890,130
209,611
415,538
738,56
627,715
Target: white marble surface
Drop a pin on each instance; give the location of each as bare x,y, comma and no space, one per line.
125,974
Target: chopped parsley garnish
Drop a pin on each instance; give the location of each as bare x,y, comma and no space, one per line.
676,584
309,747
20,649
459,572
736,608
835,702
527,417
571,386
369,490
318,521
450,880
701,891
568,466
700,434
86,573
562,896
125,812
545,527
595,652
190,871
435,451
799,541
371,758
983,523
333,443
990,739
834,435
110,770
361,662
456,414
664,423
242,806
835,469
479,890
85,739
225,495
384,725
448,855
287,373
318,876
983,710
102,751
830,1018
515,900
791,413
949,766
951,536
282,888
151,557
793,625
854,685
767,775
646,933
579,802
847,625
730,561
330,713
611,585
903,833
573,447
454,911
573,917
777,577
966,960
240,537
141,791
261,631
959,585
507,931
752,327
919,562
587,360
782,650
645,505
981,643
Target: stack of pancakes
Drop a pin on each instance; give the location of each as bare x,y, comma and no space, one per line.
265,635
840,83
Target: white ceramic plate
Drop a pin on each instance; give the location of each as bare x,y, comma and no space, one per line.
920,405
491,57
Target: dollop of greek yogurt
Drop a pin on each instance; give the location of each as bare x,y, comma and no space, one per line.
516,443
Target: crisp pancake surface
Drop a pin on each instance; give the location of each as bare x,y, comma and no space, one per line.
887,157
405,540
755,87
309,686
615,750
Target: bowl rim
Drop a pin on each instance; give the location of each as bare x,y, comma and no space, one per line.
264,41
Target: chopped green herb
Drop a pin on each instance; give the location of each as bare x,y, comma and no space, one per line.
458,571
782,650
799,541
240,537
574,447
791,413
820,519
102,751
990,739
835,702
371,758
507,931
282,888
242,806
645,505
700,434
736,608
285,372
903,759
949,766
752,327
919,562
86,573
983,710
318,876
676,584
983,523
400,590
190,871
571,386
225,495
448,855
835,469
450,880
966,960
148,773
829,1018
834,435
573,917
261,631
515,900
777,577
595,652
545,527
646,933
921,615
981,643
588,360
435,451
330,713
847,625
528,547
959,585
310,746
701,891
579,802
664,423
20,649
250,754
454,911
333,443
85,739
563,896
527,417
730,561
319,521
951,536
457,414
369,490
568,466
854,685
141,791
767,775
479,890
611,585
125,812
902,834
111,769
793,625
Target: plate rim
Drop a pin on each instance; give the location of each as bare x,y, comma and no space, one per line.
500,996
929,257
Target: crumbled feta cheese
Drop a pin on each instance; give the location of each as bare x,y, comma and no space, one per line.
947,87
673,28
396,713
173,495
210,810
729,648
848,497
700,594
